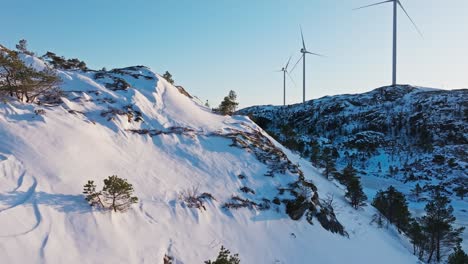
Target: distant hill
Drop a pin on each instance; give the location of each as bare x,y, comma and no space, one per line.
399,136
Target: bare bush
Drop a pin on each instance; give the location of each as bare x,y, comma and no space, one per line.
193,199
246,189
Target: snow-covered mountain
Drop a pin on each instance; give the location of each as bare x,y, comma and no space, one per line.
402,136
130,122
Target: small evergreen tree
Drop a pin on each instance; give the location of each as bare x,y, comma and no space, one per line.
119,192
168,76
328,162
416,235
116,194
225,257
461,191
458,256
22,47
229,105
349,172
314,152
393,205
24,83
355,194
438,225
92,196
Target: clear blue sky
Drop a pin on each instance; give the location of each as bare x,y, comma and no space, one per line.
213,46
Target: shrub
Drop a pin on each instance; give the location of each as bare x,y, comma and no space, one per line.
438,159
116,194
228,105
193,199
59,62
246,189
39,112
168,76
225,257
237,202
168,259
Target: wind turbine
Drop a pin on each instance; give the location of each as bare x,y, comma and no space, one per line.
285,71
304,51
396,3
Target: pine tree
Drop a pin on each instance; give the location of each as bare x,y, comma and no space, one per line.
458,256
328,162
229,105
354,193
437,224
416,235
393,205
349,172
115,195
314,152
225,257
119,193
168,77
23,82
92,196
22,47
461,191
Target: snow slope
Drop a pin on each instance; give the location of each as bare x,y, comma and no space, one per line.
46,158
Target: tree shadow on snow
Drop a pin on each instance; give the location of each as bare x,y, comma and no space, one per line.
66,203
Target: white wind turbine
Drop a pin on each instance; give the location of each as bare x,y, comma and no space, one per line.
285,71
304,51
396,3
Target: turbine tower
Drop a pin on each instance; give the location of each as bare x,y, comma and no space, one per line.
304,51
285,71
396,3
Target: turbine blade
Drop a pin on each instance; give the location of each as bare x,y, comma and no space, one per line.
291,78
412,21
297,63
384,2
316,54
287,64
302,36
